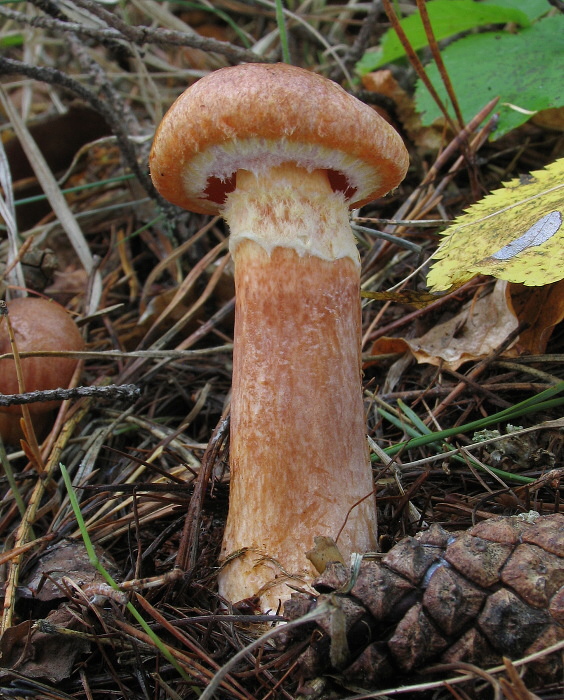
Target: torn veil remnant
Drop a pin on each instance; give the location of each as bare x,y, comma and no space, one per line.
283,154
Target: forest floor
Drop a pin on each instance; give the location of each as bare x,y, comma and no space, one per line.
151,288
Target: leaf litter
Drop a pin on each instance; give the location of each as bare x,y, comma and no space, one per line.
164,322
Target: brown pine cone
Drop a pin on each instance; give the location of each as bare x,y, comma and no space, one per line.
494,590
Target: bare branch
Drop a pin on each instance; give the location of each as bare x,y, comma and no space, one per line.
112,391
139,36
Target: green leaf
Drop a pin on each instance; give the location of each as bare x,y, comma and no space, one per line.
515,234
532,8
524,70
448,17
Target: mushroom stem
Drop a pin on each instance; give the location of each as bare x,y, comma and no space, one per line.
298,455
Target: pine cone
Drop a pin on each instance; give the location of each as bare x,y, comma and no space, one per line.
494,590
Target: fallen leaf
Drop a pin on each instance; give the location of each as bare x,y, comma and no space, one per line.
514,234
37,654
550,118
65,560
426,138
542,308
481,326
506,64
67,284
473,333
448,18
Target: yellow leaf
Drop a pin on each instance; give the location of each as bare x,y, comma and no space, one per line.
514,234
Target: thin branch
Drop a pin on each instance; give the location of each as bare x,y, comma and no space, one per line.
113,391
140,36
435,50
416,62
365,34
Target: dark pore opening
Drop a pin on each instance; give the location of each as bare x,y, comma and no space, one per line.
339,183
217,189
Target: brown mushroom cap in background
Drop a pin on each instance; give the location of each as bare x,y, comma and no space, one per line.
235,115
38,324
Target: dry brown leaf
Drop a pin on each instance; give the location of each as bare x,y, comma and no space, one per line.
36,654
65,560
479,328
67,284
550,118
425,138
482,326
542,308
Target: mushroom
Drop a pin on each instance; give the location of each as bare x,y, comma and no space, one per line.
283,154
39,325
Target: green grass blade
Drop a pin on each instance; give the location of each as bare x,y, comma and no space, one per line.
414,418
421,436
281,22
101,569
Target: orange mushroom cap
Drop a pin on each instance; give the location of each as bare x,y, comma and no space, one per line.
257,116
